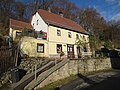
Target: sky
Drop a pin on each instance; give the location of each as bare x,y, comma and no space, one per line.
109,9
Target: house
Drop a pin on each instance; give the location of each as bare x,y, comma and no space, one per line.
54,35
57,34
16,27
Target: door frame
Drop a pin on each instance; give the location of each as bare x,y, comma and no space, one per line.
78,52
70,51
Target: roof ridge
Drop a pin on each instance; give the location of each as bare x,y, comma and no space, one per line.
55,19
58,15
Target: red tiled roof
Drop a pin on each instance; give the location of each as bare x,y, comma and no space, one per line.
57,20
20,24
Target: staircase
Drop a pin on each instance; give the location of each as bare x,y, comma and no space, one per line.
44,75
29,77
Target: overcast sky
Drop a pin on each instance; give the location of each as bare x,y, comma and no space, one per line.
109,9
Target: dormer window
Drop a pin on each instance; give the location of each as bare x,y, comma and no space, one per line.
37,21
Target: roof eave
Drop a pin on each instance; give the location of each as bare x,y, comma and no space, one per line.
67,28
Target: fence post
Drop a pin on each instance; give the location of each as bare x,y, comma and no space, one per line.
35,72
32,69
55,61
17,52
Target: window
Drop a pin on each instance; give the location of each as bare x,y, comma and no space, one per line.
69,35
77,36
58,33
18,33
84,38
33,24
40,48
45,36
39,34
59,48
30,31
37,21
85,49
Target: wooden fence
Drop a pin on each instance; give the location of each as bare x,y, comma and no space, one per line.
7,58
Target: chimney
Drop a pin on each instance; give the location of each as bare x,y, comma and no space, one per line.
49,10
61,14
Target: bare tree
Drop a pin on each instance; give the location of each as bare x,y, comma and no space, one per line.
112,33
6,9
92,21
20,10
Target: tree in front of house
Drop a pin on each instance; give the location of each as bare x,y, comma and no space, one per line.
83,44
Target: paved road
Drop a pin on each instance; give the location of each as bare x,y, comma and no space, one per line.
99,81
112,83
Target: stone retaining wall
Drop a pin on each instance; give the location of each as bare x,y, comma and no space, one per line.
73,67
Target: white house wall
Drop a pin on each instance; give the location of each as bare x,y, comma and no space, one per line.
41,24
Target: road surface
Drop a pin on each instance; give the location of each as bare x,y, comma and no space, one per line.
100,81
112,83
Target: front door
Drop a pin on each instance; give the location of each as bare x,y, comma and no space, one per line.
70,51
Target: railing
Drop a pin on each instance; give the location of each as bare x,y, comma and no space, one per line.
86,53
44,75
7,58
35,73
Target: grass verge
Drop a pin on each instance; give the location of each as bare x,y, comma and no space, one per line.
58,83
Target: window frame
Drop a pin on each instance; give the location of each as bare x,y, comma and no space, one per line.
57,46
77,36
18,33
39,34
33,24
40,44
85,49
58,32
69,34
37,22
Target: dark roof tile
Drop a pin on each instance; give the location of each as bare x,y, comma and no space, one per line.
20,24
